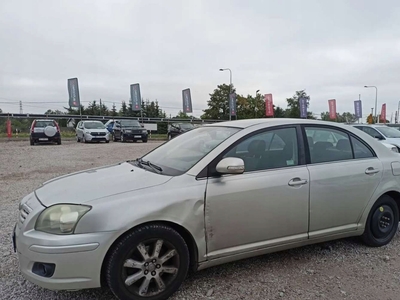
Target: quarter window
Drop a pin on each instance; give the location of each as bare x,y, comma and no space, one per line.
268,150
360,150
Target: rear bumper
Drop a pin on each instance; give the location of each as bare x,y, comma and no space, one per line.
39,137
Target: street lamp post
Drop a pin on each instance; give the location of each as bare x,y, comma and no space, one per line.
255,104
230,87
376,100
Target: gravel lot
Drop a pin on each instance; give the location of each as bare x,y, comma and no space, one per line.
344,269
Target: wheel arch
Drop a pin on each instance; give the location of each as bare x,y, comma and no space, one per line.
186,235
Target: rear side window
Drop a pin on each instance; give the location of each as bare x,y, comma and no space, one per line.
328,145
42,124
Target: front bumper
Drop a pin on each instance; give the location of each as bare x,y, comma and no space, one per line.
134,136
97,138
77,261
78,258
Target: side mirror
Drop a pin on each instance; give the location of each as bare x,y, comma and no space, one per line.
379,137
230,165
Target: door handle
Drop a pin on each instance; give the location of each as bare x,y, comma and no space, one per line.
297,181
371,171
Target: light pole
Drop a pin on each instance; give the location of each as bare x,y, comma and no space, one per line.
255,104
230,87
376,99
398,110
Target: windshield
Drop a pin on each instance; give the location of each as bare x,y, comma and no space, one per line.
187,126
44,123
130,123
94,125
389,132
181,153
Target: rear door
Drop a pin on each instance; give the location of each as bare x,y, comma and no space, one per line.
344,173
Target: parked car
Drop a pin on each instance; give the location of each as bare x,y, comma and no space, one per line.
383,133
92,131
176,129
45,131
216,194
129,130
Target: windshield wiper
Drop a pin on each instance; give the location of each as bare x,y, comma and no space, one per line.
149,164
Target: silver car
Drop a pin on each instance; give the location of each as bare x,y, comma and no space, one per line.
216,194
92,131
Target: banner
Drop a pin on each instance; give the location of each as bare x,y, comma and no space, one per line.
187,101
73,91
136,99
383,113
358,109
232,104
269,105
8,126
332,109
303,108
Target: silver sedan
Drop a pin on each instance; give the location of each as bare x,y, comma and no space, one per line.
216,194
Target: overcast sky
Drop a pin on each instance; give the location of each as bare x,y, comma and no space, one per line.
330,48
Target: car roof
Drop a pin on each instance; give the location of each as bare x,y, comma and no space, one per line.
273,122
370,125
44,120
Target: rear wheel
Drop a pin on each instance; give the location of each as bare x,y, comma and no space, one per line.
382,222
32,142
149,263
59,142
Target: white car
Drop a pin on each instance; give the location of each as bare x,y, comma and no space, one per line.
92,131
386,135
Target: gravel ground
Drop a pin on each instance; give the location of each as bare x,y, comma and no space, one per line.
344,269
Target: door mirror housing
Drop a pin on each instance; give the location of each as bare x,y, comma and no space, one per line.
230,165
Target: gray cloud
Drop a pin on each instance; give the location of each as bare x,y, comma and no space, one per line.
330,48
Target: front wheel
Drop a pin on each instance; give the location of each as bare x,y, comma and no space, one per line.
144,141
382,222
150,263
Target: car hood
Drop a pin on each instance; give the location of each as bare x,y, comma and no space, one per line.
393,141
97,130
89,185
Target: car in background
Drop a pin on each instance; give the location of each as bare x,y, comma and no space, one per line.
129,130
45,131
176,129
92,131
381,132
216,194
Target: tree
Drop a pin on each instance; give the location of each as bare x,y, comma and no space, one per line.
123,112
345,117
182,115
279,112
218,105
113,110
293,110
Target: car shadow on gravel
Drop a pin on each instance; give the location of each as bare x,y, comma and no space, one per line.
241,272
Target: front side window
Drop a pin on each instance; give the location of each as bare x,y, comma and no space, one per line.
372,132
267,150
389,132
180,154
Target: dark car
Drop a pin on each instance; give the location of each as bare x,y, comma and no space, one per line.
45,131
178,128
129,130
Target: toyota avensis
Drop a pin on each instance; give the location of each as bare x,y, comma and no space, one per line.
216,194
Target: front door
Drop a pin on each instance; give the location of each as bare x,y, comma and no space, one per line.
344,173
265,206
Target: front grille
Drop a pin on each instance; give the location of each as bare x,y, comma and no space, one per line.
24,212
137,131
98,133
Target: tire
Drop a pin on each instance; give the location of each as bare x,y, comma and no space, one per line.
78,139
122,139
59,142
127,251
382,222
32,142
169,137
144,141
113,138
107,142
83,139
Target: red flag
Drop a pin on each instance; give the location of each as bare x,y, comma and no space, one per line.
269,105
9,131
332,109
383,113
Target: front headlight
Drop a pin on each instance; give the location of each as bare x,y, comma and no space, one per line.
61,218
144,131
127,131
394,149
87,132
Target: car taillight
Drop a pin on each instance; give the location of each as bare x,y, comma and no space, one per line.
58,127
33,126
